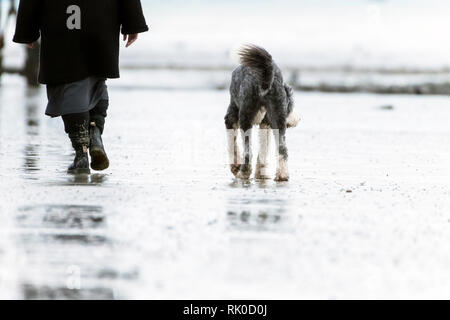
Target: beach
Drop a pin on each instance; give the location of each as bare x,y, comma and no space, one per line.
364,215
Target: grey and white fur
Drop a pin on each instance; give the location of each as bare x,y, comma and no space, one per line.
259,96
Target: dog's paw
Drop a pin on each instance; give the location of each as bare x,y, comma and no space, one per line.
282,170
261,173
244,175
292,120
281,176
260,176
235,168
245,172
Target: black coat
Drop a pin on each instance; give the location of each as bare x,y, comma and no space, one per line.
69,55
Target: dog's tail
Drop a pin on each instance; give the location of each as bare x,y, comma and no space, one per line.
293,117
261,61
290,97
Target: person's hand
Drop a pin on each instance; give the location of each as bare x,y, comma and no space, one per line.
30,45
131,39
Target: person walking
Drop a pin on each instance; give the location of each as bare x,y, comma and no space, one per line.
80,42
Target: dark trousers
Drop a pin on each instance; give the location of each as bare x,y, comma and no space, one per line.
73,122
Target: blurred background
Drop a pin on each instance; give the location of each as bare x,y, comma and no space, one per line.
382,46
364,215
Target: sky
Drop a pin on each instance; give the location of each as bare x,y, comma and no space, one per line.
319,33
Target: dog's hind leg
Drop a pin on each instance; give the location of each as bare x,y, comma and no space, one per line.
231,124
282,165
245,123
262,171
246,166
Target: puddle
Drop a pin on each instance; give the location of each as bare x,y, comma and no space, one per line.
33,292
62,216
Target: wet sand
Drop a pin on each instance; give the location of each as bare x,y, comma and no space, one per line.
365,215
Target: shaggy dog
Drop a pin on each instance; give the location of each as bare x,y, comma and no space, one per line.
259,96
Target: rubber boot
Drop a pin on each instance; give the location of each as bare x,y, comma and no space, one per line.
80,142
80,164
99,159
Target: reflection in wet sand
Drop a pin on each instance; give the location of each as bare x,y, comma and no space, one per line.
238,183
262,184
31,292
98,178
61,238
92,180
32,115
32,148
257,214
61,217
64,223
246,217
31,159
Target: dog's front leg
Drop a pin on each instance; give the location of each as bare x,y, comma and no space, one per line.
246,167
262,170
234,157
282,166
